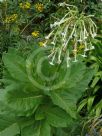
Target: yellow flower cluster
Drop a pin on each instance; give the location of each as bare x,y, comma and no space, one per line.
42,43
11,18
82,46
25,5
39,7
35,34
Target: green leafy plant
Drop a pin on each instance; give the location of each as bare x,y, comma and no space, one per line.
93,98
93,126
29,110
39,99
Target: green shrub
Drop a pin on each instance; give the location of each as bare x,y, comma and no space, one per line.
38,104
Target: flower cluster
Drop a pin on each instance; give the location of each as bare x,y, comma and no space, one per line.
11,18
42,43
35,34
72,33
39,7
25,5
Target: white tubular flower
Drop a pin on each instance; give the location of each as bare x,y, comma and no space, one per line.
75,52
45,44
68,63
62,4
84,55
54,40
75,58
86,47
59,56
51,63
70,36
85,32
94,34
53,58
53,43
80,39
55,24
91,46
68,59
90,16
2,0
49,56
63,19
63,34
73,27
51,26
48,36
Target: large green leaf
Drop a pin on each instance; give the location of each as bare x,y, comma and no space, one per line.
15,72
12,99
60,132
22,102
64,101
8,126
24,99
11,130
21,95
15,64
40,128
74,86
57,117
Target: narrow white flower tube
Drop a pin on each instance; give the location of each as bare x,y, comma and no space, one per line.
72,27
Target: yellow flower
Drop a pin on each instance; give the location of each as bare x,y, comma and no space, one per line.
81,47
7,20
42,43
35,33
21,5
39,7
14,17
25,5
11,18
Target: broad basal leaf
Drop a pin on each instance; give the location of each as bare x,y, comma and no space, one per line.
15,64
8,126
64,101
57,117
60,132
75,84
40,128
22,102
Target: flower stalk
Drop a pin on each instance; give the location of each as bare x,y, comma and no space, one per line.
73,27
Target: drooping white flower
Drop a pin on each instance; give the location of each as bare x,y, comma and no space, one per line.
70,32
